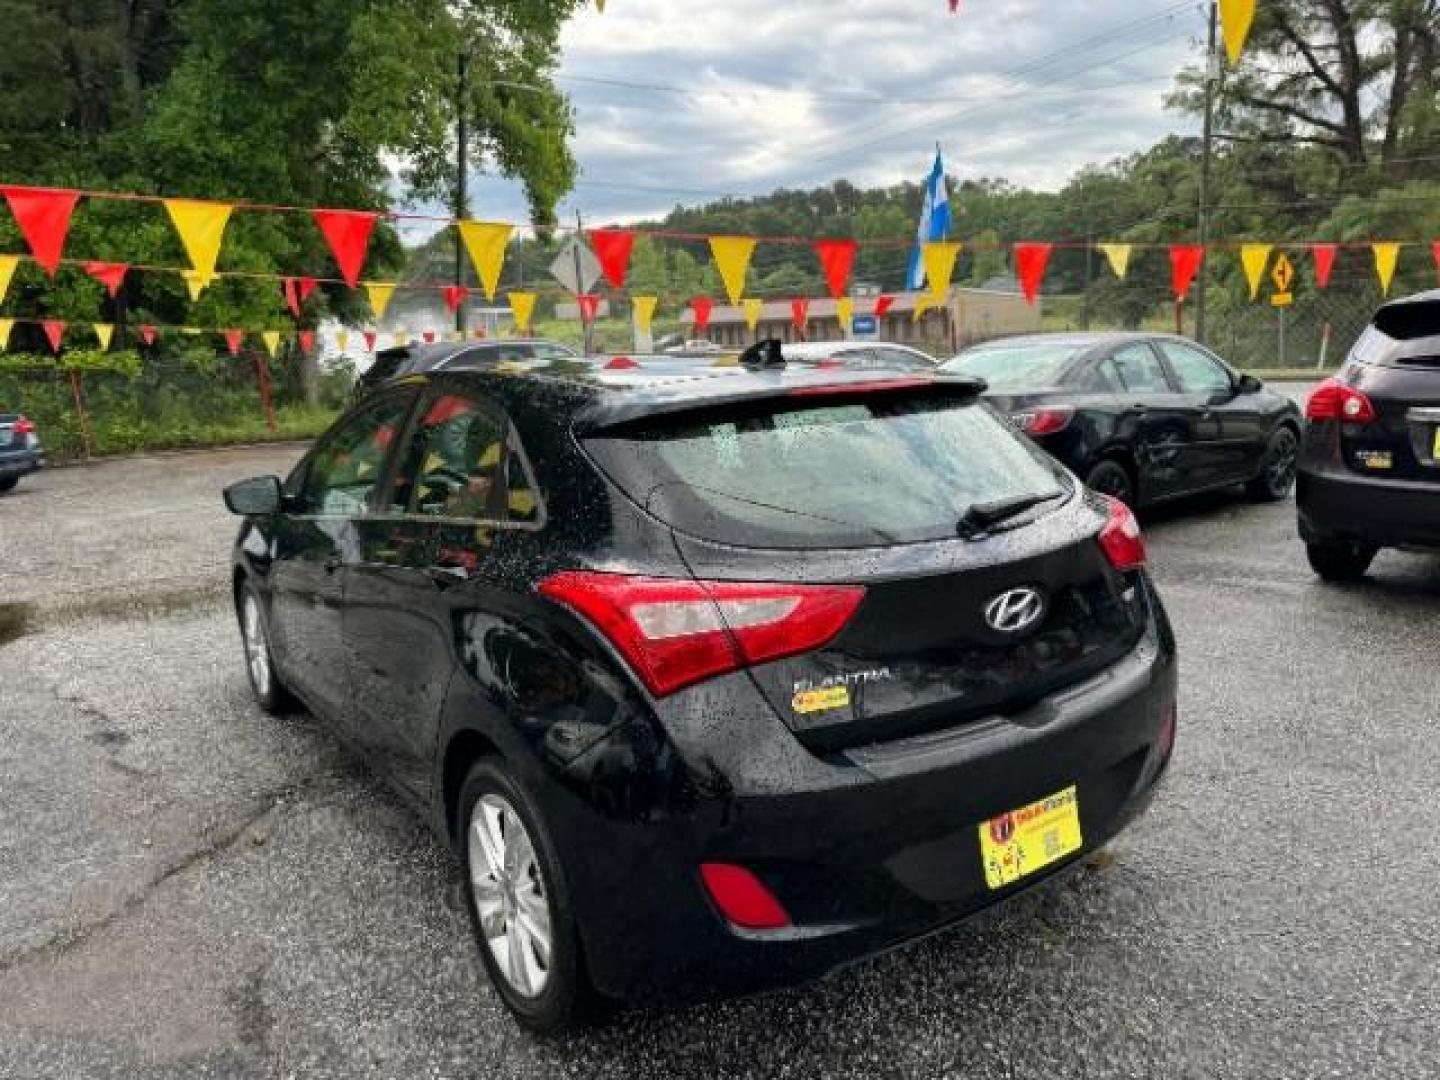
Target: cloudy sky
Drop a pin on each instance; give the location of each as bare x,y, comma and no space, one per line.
684,101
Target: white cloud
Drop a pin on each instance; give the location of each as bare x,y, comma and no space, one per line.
801,92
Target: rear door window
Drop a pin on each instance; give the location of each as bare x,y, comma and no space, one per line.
1139,370
1197,372
846,472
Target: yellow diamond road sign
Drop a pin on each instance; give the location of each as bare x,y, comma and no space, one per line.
1282,274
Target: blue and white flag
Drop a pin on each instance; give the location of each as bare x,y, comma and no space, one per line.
934,221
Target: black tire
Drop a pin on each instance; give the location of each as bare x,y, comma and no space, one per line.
1109,477
566,998
8,482
1277,468
270,692
1341,562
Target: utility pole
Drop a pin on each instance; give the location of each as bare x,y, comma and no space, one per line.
586,326
462,138
1212,76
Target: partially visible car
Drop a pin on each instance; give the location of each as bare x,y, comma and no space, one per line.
697,347
1369,469
20,452
858,354
459,356
1142,417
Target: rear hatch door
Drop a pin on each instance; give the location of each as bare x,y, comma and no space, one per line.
1398,369
870,489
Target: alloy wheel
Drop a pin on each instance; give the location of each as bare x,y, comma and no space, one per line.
257,651
509,892
1284,454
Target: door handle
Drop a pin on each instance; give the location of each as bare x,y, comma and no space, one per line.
1140,407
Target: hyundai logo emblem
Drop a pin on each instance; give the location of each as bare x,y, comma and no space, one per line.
1015,611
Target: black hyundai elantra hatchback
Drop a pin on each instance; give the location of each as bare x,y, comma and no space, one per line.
713,679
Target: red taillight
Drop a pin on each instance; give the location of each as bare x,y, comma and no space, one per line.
742,897
1335,400
1042,421
674,632
1120,539
24,426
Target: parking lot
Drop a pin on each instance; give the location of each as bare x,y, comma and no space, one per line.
190,887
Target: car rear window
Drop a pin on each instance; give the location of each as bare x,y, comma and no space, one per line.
1015,367
838,472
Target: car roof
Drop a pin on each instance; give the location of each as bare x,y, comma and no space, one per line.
1081,339
614,389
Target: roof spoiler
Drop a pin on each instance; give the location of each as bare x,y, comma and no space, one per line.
1414,317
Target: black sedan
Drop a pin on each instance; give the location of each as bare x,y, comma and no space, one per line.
20,452
1370,463
1142,417
708,685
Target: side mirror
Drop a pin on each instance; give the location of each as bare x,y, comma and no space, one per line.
1249,384
259,495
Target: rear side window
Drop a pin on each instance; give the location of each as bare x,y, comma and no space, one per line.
1139,370
1198,373
843,473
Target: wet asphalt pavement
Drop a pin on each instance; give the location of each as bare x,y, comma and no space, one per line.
190,888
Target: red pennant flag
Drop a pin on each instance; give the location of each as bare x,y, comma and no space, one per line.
292,296
307,340
455,296
612,248
111,275
370,340
1030,263
148,334
55,331
1435,254
836,258
233,340
800,313
1185,262
1324,256
589,306
306,287
348,234
882,305
954,6
429,337
701,307
43,215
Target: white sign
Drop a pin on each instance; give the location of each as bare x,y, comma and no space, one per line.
563,269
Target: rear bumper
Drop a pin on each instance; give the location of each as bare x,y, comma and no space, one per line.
1338,505
20,464
865,850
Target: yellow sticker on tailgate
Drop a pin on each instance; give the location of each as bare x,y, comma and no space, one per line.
1030,838
821,699
1435,451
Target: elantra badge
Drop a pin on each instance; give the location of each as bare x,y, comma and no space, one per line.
1015,611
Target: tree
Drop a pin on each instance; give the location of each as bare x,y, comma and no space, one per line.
1355,76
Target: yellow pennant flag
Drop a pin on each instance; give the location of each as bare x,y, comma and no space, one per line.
939,258
522,307
844,308
923,303
1118,255
271,338
192,331
1386,256
753,309
201,226
485,241
196,282
104,331
1235,19
379,293
1255,258
7,271
342,340
644,311
6,325
732,259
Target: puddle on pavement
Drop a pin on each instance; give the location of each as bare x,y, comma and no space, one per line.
15,621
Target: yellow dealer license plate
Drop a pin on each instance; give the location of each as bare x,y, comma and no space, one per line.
1031,838
1435,453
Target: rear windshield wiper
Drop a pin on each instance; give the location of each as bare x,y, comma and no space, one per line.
982,517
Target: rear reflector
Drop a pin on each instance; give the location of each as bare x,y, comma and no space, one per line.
1042,421
674,632
1335,400
742,898
1120,539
